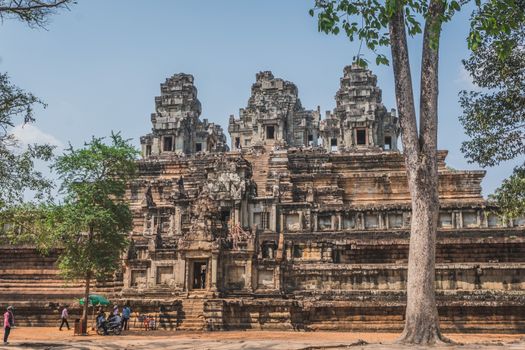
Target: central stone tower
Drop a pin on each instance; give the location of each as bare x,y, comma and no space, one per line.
274,117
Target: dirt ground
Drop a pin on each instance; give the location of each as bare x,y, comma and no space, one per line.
52,338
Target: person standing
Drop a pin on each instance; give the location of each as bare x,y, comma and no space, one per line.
9,322
64,317
113,314
126,314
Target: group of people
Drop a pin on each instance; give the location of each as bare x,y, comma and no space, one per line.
9,319
101,317
114,316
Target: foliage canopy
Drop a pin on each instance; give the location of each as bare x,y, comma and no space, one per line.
367,21
17,165
494,117
90,225
92,222
17,170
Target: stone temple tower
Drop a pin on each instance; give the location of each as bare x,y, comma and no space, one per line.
359,120
177,128
274,116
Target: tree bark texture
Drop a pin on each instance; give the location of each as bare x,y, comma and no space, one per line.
420,152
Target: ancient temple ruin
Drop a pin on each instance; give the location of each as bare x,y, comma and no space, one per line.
303,224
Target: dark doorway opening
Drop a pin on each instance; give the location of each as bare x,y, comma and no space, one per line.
333,144
198,147
270,132
225,217
168,144
361,136
388,142
297,251
199,274
336,256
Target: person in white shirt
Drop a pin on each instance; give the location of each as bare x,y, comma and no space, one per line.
64,316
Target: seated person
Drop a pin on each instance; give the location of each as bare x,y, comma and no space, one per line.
152,323
101,321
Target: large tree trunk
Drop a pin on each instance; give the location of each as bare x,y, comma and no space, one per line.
420,152
86,299
422,320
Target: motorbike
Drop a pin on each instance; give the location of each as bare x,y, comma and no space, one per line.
113,325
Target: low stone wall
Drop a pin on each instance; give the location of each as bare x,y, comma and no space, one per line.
445,253
267,314
273,314
329,276
281,314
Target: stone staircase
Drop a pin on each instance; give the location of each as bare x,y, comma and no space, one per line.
192,315
259,164
279,174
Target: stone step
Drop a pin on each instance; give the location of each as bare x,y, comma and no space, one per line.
37,284
22,272
51,291
182,328
191,324
193,321
192,314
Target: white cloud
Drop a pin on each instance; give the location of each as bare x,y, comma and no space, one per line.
28,134
465,79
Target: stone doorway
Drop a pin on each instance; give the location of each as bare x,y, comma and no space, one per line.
200,269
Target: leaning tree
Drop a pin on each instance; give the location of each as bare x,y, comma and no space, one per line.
379,23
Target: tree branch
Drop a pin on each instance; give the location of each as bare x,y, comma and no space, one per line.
403,84
428,121
31,5
33,12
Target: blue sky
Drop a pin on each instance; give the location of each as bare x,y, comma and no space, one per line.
99,66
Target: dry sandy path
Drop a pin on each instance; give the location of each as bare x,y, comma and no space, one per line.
51,338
